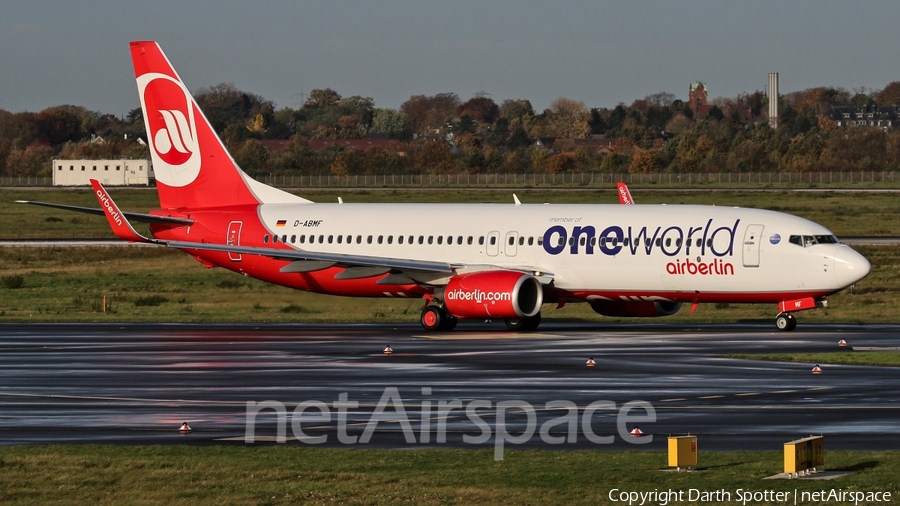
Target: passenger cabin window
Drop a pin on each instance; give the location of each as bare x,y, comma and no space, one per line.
340,239
380,239
440,239
411,238
302,239
369,240
266,238
531,241
399,239
390,239
421,239
512,241
521,241
493,240
481,241
430,239
459,240
274,239
469,240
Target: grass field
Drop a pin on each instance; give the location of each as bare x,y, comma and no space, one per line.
846,214
158,284
879,358
291,475
161,285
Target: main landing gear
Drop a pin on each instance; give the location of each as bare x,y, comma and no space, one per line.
436,318
527,324
785,321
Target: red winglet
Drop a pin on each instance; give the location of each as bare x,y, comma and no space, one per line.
120,226
624,194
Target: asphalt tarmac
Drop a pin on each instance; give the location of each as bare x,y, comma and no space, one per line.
136,384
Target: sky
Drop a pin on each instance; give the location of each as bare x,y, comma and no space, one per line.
600,52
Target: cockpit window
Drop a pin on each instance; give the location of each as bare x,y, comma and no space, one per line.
811,240
827,239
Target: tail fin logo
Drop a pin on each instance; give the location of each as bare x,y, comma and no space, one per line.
171,129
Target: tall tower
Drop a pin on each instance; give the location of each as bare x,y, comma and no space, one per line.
773,99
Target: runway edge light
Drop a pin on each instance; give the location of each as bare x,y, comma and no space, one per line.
682,452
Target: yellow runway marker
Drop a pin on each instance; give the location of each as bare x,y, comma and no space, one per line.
784,392
747,394
672,400
819,388
711,397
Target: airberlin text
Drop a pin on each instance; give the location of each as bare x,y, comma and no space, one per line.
478,295
672,241
110,210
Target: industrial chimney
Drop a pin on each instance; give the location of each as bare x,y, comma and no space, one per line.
773,99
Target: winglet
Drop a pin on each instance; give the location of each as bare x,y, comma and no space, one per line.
624,194
120,225
516,200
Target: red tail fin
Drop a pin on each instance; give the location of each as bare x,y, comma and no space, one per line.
193,169
624,194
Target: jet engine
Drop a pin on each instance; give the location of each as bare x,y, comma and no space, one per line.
493,294
635,309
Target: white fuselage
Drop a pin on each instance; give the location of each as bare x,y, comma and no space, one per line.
652,249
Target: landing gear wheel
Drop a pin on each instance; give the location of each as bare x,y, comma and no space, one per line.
449,322
432,318
785,322
526,324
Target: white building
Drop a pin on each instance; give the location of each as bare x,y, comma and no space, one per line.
108,172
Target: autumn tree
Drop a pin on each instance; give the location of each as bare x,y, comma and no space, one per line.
569,118
890,95
481,109
429,114
322,99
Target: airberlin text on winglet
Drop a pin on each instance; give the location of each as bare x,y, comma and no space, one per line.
110,209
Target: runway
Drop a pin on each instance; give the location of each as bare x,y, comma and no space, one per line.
135,384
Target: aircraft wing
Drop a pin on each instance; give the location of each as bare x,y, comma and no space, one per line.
123,230
139,217
338,258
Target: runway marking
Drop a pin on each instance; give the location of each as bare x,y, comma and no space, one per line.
819,388
784,392
673,400
747,394
711,397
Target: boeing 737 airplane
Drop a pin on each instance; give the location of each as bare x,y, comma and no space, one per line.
468,261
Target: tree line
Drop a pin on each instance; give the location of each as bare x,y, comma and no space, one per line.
442,133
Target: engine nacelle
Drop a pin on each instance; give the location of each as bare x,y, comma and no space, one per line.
635,309
493,294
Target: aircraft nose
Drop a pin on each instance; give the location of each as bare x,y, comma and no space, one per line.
849,266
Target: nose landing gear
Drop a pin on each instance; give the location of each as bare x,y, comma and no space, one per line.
785,322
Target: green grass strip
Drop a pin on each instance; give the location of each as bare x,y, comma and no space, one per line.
878,358
299,474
